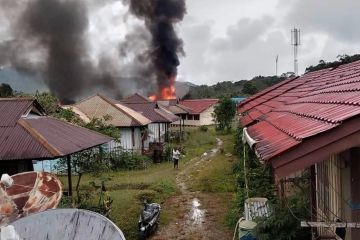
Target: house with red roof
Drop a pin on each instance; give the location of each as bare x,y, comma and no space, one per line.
194,112
201,111
312,123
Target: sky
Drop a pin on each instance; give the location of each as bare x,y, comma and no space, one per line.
232,40
240,39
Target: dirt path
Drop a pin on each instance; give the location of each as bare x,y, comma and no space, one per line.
189,219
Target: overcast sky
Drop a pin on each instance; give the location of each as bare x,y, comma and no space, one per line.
231,40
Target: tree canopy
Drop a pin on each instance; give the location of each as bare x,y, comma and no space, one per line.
224,113
342,59
6,90
233,89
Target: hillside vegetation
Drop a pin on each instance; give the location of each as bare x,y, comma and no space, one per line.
233,89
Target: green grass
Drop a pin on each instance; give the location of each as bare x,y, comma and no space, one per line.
216,175
156,183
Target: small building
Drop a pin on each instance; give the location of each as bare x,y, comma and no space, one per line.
160,118
132,125
201,111
195,112
312,123
27,134
238,100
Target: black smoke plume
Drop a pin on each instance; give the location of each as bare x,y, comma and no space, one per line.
160,16
55,30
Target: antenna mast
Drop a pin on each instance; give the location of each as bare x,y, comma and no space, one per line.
277,60
295,41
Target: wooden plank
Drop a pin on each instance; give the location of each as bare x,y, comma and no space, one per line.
331,224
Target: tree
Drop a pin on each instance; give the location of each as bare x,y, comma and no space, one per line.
250,88
6,90
224,113
49,102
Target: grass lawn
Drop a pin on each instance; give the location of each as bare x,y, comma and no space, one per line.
217,180
157,183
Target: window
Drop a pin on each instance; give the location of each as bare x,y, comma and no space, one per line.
183,116
197,117
190,117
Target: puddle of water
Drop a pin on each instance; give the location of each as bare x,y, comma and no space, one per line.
197,214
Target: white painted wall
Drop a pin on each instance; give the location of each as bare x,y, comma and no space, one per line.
154,132
126,141
206,117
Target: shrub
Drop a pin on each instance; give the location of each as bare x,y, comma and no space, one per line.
128,160
203,128
146,195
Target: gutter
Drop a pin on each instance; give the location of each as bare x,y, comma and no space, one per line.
246,138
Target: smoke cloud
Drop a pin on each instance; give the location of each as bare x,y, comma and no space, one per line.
50,38
160,16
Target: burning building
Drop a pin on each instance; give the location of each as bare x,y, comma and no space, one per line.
50,38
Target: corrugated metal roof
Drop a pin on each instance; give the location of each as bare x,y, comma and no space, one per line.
99,106
136,98
199,105
322,104
11,110
151,111
39,137
280,94
65,137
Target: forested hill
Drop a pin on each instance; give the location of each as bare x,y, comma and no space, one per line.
233,89
342,59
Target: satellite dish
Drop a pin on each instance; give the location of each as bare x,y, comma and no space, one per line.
66,224
30,192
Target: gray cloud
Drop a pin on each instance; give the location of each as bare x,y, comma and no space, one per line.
243,33
332,17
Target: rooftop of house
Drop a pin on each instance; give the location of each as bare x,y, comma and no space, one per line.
150,110
99,106
136,98
198,106
27,133
304,116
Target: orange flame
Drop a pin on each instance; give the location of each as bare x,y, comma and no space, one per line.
153,98
166,93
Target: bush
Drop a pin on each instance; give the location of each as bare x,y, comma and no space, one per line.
129,161
203,128
283,223
146,195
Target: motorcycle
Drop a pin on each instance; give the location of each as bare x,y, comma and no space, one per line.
149,220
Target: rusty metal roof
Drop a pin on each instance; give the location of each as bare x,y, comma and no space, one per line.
324,103
98,106
136,98
151,111
40,137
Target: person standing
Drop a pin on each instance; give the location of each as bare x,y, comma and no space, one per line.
176,157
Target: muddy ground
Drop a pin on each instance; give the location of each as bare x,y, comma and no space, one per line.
195,215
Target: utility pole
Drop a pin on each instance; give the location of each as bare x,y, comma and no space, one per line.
277,60
295,41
